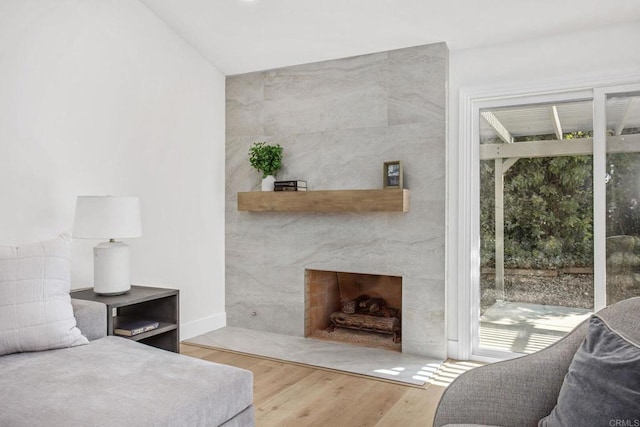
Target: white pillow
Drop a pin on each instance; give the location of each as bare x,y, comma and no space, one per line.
35,307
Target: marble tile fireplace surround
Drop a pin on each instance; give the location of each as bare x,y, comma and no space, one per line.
338,122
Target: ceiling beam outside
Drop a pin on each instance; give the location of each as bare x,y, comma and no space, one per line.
497,126
625,116
555,118
623,143
553,148
507,163
556,148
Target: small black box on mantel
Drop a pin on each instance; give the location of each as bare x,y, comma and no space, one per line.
290,185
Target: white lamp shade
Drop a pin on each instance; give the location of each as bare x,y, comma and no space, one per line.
109,217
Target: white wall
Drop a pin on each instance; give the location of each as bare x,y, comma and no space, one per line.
101,97
570,59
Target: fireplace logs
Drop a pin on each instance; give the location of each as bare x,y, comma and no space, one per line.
367,314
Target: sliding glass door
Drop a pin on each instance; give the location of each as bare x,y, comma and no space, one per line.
622,180
557,201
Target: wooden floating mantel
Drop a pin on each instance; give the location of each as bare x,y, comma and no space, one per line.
389,200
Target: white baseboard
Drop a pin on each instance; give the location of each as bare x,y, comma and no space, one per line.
452,349
200,326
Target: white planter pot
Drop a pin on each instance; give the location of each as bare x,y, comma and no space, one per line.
267,183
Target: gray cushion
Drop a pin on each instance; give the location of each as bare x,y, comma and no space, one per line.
91,317
113,381
35,307
468,425
603,382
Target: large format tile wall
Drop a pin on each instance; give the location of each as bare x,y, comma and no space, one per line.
338,121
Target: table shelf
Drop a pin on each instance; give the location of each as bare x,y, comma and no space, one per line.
143,302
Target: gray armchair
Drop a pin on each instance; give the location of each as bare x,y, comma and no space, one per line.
519,392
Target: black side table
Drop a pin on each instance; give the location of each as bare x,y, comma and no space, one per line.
146,303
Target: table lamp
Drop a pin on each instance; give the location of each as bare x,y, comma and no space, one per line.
108,217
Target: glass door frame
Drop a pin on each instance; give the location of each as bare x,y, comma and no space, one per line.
468,234
600,96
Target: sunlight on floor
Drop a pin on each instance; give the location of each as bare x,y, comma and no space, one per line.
441,374
392,371
449,371
497,338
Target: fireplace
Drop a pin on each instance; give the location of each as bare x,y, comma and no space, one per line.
361,309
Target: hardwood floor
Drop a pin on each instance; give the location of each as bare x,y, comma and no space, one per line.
287,394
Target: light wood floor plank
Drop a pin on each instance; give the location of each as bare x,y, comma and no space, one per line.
239,360
416,406
287,394
303,403
271,378
194,351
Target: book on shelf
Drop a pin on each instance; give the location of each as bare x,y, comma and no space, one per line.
289,188
131,327
291,183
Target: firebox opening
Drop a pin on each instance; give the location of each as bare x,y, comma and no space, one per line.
361,309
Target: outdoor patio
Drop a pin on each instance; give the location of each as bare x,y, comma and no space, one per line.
527,328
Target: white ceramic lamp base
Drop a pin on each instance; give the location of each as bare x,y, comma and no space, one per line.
111,271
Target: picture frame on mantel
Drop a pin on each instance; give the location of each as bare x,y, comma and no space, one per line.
392,174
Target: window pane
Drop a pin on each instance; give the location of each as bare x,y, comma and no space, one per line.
623,196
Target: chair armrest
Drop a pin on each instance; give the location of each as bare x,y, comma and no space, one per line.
91,318
517,392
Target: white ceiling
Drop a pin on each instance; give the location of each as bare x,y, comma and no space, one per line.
240,36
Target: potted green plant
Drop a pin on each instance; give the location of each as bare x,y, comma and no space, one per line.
267,159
